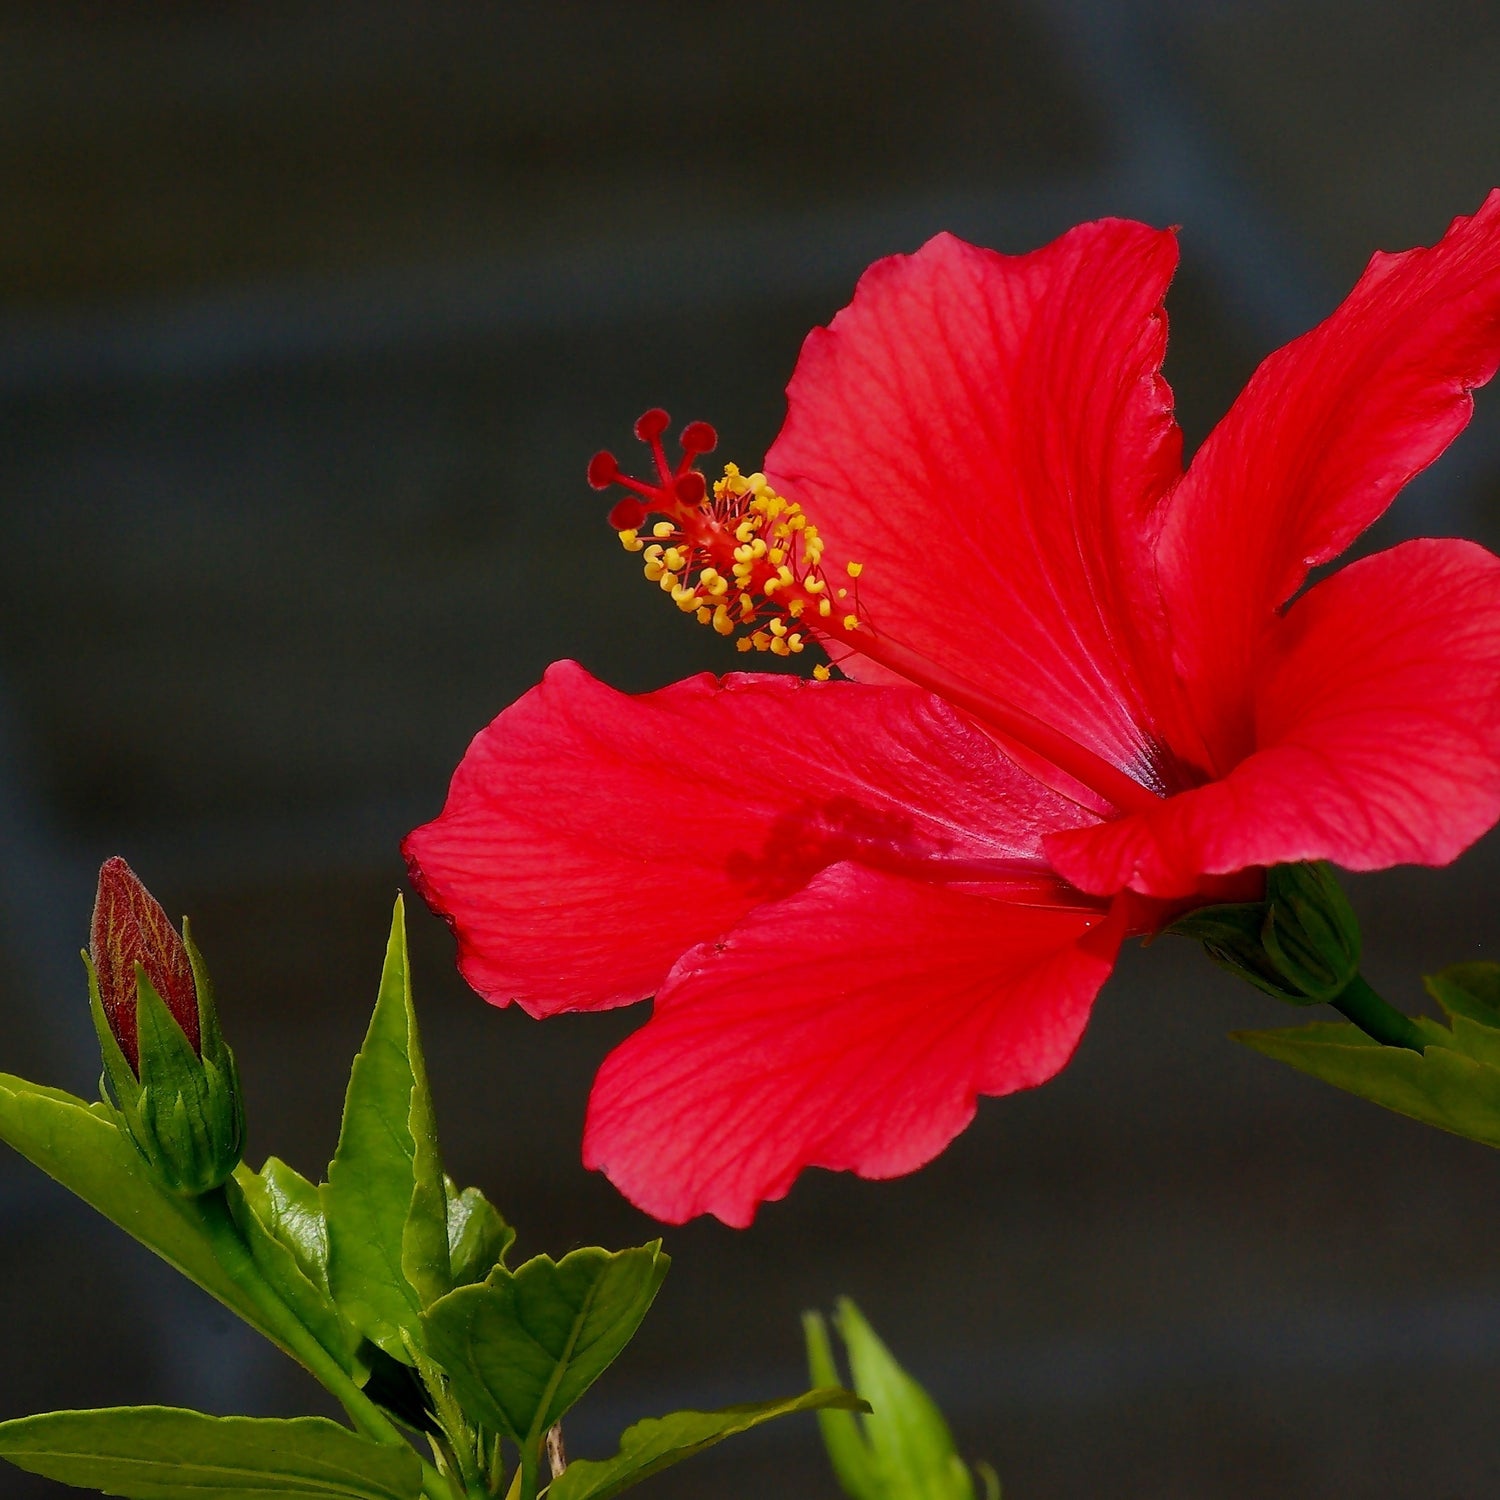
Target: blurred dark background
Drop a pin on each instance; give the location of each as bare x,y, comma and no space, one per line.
310,317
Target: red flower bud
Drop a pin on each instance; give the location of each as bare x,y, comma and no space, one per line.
131,929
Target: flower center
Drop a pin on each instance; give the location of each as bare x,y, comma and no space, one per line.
742,557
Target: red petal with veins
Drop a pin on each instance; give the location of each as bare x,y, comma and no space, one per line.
1325,434
590,838
988,435
851,1026
1376,712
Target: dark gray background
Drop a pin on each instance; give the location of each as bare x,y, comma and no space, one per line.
310,317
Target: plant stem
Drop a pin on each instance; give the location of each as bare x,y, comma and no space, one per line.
284,1327
1376,1017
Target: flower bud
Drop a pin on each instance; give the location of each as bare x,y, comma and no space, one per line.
1300,944
167,1072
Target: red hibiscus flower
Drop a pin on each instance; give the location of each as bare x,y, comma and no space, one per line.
1087,692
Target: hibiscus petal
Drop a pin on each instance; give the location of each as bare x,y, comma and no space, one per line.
987,434
1377,714
1326,433
590,838
851,1026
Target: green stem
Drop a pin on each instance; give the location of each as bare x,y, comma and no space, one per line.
284,1327
1376,1017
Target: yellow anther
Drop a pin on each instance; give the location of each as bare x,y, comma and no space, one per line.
669,581
779,647
747,606
777,556
821,672
772,584
761,641
778,627
854,569
674,557
685,598
663,528
815,585
705,614
798,522
722,623
631,541
653,569
744,531
745,643
851,622
784,573
794,641
825,607
795,608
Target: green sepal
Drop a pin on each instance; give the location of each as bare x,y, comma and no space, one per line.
1453,1083
385,1200
478,1236
1301,944
184,1111
166,1453
524,1345
902,1449
657,1443
289,1248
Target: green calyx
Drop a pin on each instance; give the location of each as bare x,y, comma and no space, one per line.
1301,943
183,1110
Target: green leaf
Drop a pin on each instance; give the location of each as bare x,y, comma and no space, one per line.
163,1453
1471,990
1447,1085
523,1346
284,1229
478,1236
386,1207
659,1442
81,1146
903,1449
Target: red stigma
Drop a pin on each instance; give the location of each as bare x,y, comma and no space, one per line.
651,424
673,489
603,471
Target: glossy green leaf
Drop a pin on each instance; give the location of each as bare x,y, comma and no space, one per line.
81,1146
287,1242
1447,1085
659,1442
163,1453
901,1450
386,1207
524,1345
478,1235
